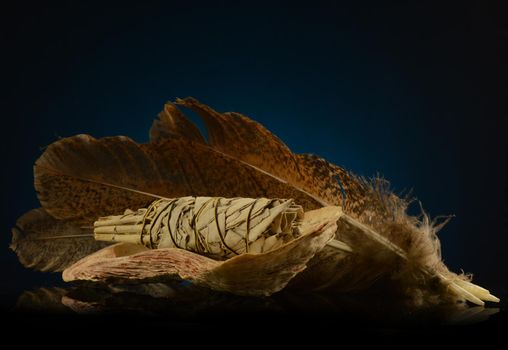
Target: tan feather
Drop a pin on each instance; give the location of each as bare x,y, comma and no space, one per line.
47,244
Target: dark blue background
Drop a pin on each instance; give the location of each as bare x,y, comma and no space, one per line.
414,91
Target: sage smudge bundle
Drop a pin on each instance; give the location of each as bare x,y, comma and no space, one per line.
221,227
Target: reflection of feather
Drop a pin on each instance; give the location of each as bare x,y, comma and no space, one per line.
43,300
81,179
47,244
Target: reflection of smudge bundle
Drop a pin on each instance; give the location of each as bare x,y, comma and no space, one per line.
216,226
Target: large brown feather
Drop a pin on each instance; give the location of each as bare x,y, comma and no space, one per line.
369,202
248,141
81,178
71,174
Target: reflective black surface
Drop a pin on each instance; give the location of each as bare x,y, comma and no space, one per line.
183,303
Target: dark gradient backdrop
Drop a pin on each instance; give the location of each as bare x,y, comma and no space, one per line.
416,92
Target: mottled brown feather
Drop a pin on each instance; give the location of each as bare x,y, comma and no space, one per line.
248,141
76,177
71,174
